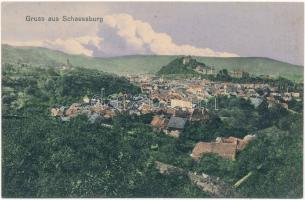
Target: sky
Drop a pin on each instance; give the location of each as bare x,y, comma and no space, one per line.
274,30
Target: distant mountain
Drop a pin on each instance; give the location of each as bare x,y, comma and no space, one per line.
140,64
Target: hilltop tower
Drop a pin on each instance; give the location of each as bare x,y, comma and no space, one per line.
67,65
186,60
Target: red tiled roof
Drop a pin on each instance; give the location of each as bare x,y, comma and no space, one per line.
226,150
158,122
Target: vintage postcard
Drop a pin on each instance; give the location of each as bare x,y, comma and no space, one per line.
152,99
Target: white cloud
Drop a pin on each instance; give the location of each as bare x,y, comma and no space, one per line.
141,35
75,45
138,37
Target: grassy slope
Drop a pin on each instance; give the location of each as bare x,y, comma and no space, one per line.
257,65
47,57
146,64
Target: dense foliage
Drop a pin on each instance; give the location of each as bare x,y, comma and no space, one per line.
26,85
276,158
46,157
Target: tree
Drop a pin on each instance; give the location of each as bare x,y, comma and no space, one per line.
270,157
223,75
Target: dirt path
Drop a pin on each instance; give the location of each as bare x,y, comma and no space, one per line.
212,185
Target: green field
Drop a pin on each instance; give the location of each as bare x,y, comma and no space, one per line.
139,64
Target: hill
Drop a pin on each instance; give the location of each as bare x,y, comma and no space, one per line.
119,65
182,65
257,66
139,64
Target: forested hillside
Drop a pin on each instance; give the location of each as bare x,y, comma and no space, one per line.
44,156
139,64
177,66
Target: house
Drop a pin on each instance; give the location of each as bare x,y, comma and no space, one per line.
134,112
162,97
252,93
275,94
146,88
177,94
195,89
233,140
181,103
287,94
295,94
199,68
114,103
170,111
285,98
224,147
96,108
226,150
110,113
271,98
205,70
181,113
94,101
175,126
176,123
74,109
236,74
56,112
240,143
210,71
145,108
158,123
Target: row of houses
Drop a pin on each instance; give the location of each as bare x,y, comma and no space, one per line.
188,94
94,112
173,123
